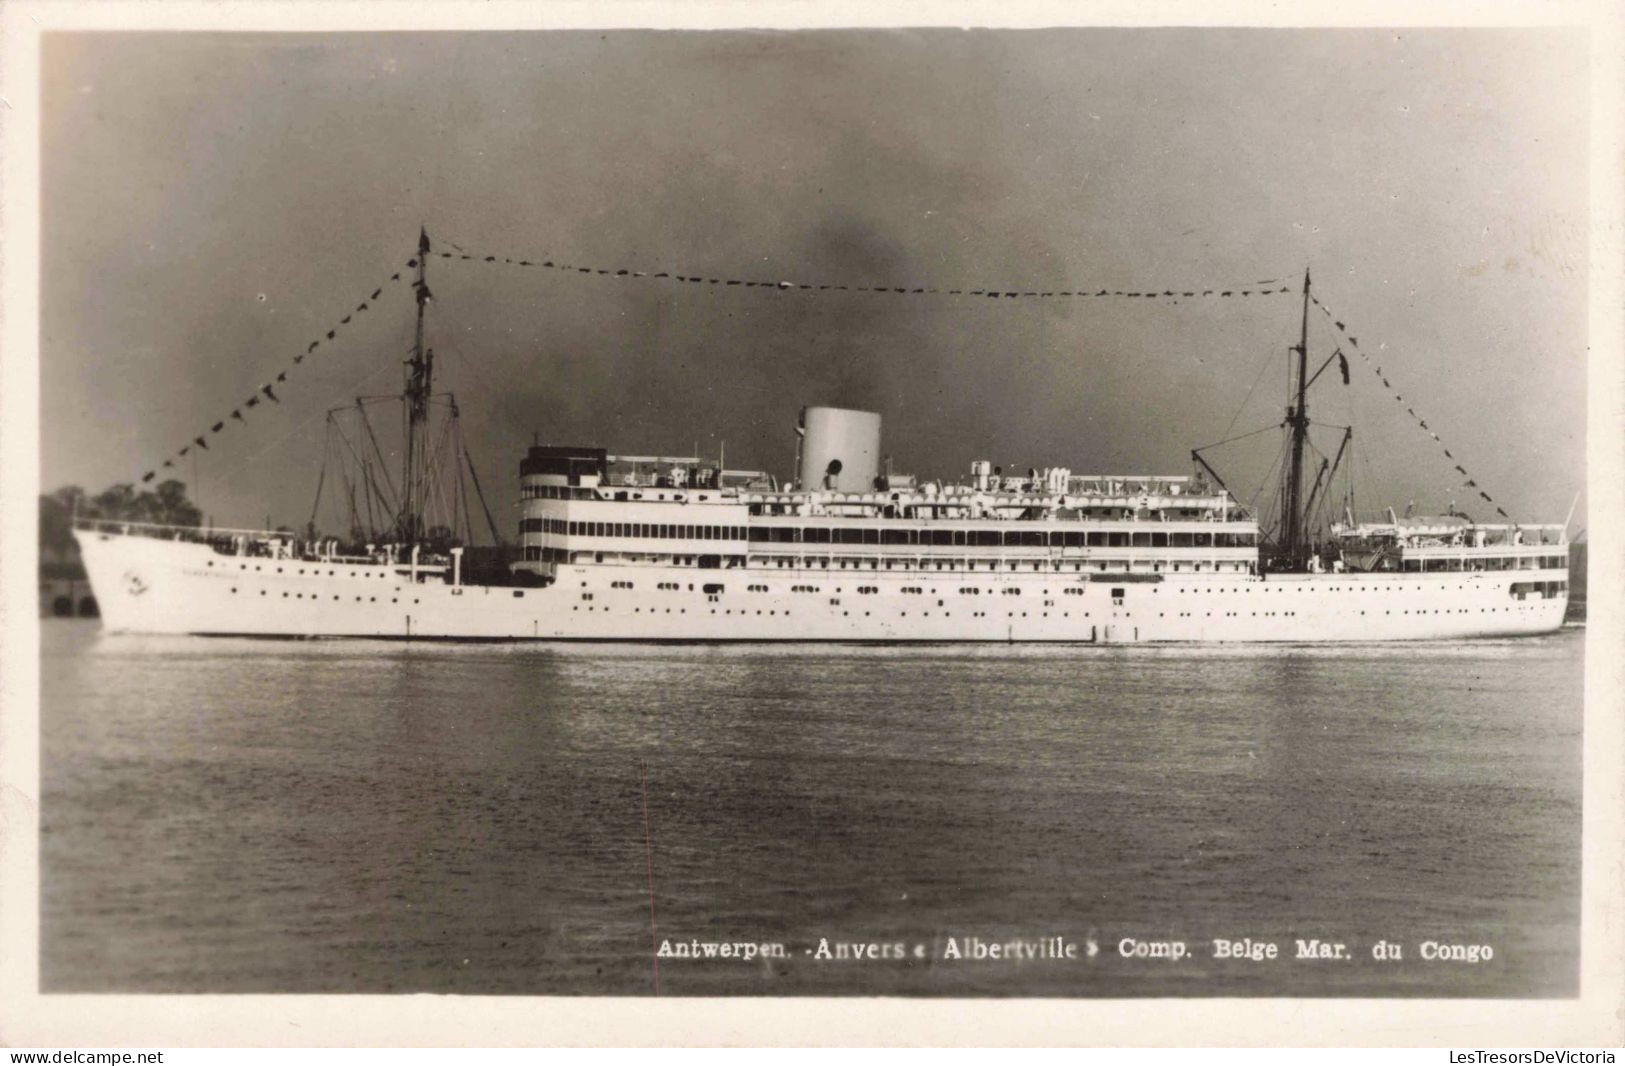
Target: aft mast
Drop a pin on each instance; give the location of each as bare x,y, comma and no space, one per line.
419,386
1297,417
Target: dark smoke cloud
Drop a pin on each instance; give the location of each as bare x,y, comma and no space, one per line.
1435,179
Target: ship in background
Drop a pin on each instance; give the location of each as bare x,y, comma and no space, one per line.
678,548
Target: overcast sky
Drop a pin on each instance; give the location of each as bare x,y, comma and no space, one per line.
212,203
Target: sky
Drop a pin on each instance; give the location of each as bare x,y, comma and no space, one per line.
214,202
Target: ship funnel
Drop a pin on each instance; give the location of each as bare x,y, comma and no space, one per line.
840,449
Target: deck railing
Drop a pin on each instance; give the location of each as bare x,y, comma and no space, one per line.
259,543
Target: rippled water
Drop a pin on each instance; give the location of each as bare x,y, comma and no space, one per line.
225,815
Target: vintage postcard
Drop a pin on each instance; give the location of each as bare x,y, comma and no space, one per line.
929,520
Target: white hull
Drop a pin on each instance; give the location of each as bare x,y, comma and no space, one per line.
146,585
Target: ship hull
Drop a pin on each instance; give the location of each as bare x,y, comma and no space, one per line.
148,585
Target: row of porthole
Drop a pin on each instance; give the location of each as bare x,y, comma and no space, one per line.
317,573
313,596
1045,614
680,610
1386,587
1070,591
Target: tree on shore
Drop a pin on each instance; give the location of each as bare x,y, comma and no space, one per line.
165,505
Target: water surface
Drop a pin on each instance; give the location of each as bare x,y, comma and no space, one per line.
235,816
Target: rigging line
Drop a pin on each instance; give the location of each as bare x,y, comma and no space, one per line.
1269,358
1268,475
385,514
349,494
468,511
377,506
268,388
487,389
495,537
355,516
345,439
344,467
367,498
467,534
1267,429
434,468
1421,422
1271,480
1005,292
389,502
304,425
355,454
321,478
460,497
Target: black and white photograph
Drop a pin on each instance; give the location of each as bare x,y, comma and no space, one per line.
933,512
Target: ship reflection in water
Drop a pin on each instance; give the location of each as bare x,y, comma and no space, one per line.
235,816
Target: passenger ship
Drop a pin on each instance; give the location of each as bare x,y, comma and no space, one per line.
653,548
